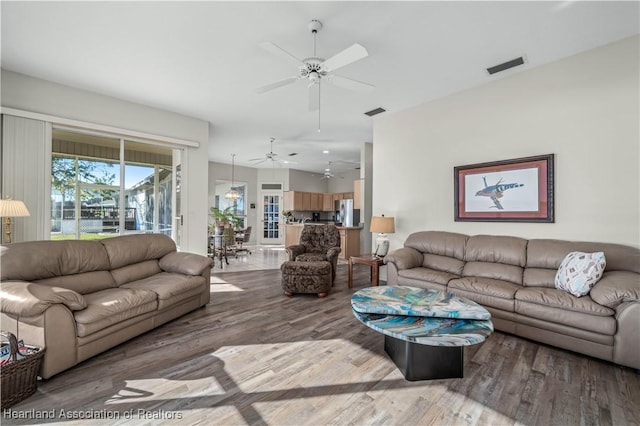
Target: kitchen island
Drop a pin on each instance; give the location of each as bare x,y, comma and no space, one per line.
349,237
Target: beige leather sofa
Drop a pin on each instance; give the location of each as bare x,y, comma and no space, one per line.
514,279
80,298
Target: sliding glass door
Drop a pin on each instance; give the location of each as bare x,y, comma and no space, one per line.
104,186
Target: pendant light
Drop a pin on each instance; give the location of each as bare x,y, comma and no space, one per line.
232,194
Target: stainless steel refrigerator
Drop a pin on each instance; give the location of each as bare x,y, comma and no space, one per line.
345,213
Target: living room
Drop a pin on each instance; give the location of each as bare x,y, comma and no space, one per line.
583,107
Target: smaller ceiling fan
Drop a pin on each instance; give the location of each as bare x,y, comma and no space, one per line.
272,156
328,174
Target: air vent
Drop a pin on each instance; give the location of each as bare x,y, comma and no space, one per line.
506,65
375,112
293,154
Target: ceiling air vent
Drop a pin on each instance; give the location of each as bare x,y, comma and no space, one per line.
375,111
506,65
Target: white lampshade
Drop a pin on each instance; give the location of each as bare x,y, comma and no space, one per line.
13,208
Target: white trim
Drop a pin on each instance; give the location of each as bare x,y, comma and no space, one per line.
135,136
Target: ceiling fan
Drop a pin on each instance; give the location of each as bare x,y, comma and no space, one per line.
328,174
316,70
270,156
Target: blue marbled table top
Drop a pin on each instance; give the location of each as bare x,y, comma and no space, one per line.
424,316
429,331
418,302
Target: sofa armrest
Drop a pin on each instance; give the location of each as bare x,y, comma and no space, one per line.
404,258
295,250
185,263
26,299
616,287
627,339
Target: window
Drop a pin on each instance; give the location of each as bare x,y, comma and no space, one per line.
96,194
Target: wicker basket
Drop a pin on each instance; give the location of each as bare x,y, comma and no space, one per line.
20,375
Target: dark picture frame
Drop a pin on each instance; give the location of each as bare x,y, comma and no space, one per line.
517,190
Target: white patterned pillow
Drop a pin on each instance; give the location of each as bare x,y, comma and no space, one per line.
579,272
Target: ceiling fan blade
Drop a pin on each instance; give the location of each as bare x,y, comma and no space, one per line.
351,84
277,84
279,51
259,162
349,55
314,97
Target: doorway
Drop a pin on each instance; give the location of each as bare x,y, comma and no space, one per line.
270,206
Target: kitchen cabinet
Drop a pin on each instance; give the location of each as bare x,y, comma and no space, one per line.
357,196
306,201
349,242
316,202
313,201
347,196
327,203
292,200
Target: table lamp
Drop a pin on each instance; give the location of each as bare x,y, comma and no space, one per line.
382,225
11,208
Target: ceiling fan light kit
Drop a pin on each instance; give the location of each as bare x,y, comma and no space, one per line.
315,69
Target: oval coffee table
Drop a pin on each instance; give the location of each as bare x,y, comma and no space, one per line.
425,330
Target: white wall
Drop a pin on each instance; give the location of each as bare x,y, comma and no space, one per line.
306,181
342,181
40,96
584,109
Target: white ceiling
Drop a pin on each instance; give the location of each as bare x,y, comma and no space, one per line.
202,59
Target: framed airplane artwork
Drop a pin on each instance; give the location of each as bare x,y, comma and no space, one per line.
518,190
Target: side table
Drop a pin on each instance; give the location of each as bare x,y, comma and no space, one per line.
366,259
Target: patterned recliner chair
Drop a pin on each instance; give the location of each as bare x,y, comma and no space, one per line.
317,243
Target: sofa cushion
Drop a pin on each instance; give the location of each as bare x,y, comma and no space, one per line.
539,277
443,263
447,244
136,271
498,294
562,308
497,249
419,283
427,274
497,271
110,306
311,257
136,248
579,272
548,254
87,282
169,287
37,260
562,300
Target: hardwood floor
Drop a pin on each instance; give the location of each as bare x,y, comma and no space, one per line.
254,356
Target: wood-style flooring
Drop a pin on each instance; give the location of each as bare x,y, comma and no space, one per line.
254,356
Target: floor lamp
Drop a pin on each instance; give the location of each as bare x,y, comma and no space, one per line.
11,208
382,225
